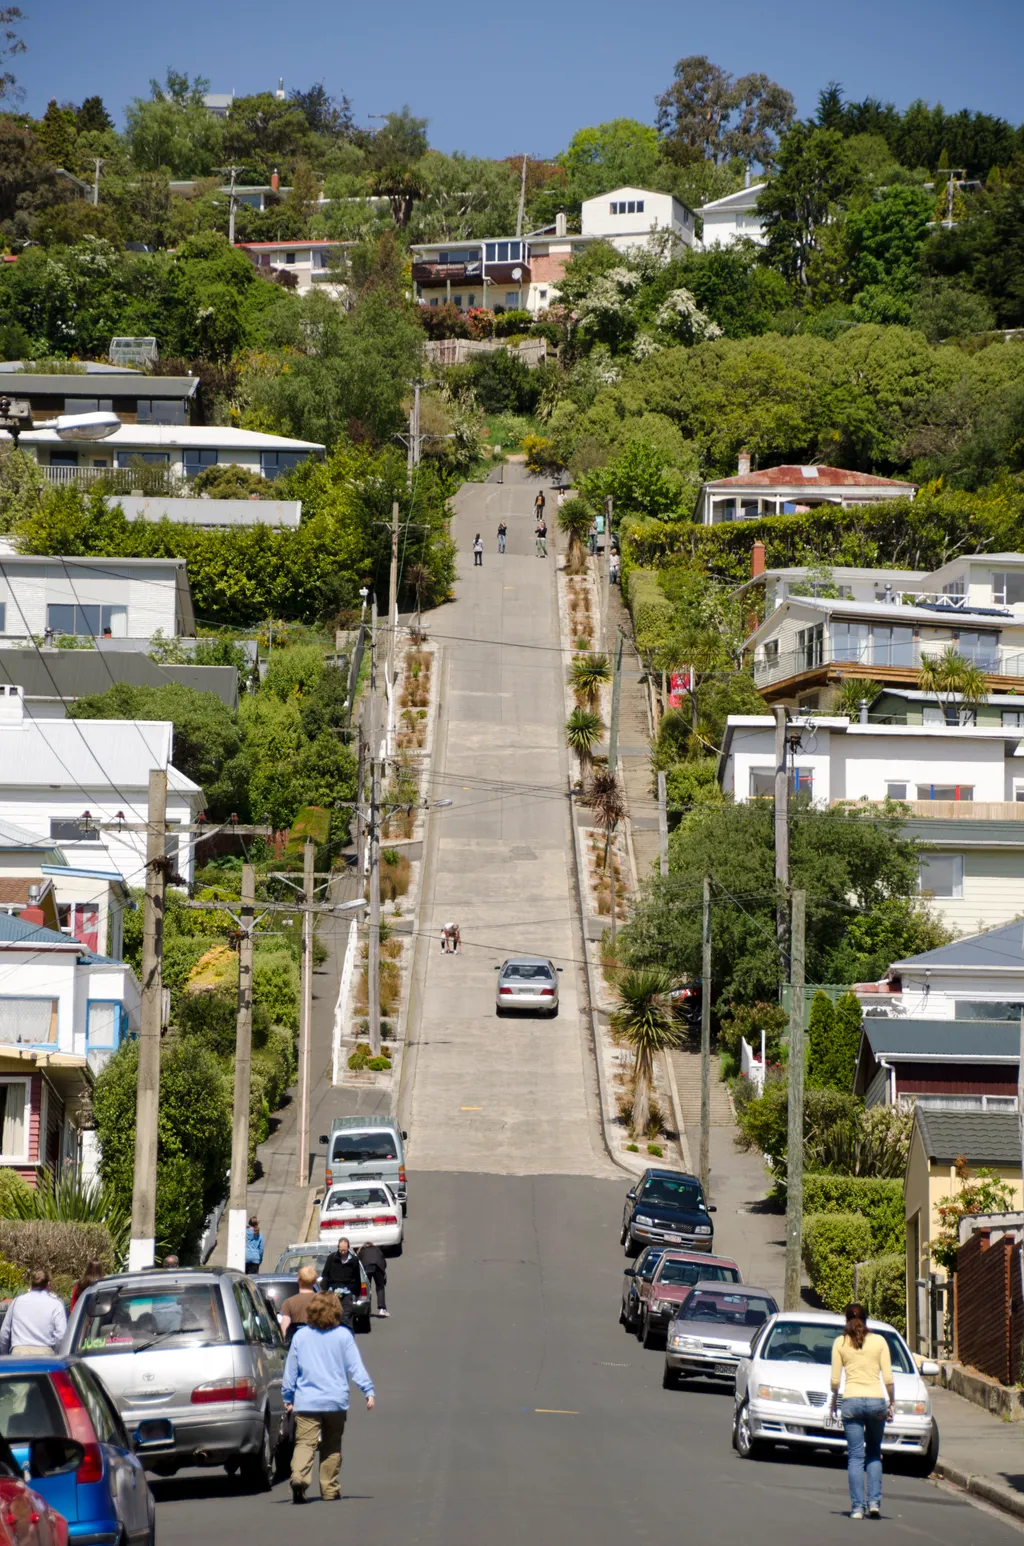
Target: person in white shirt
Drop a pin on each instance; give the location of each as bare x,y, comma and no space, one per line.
35,1323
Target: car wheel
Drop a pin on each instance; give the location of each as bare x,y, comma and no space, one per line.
924,1465
231,1466
652,1334
743,1441
669,1379
622,1316
623,1234
631,1248
258,1469
553,1013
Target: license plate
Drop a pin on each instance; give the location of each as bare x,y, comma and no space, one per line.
156,1430
673,1237
833,1422
725,1368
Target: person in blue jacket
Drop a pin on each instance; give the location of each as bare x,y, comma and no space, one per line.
253,1246
323,1361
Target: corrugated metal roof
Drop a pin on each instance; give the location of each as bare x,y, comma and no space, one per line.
982,1137
88,753
17,837
29,385
807,479
14,932
995,1040
81,673
178,436
992,949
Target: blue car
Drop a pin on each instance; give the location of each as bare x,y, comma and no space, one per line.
106,1501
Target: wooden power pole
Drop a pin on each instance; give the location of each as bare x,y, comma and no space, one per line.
373,834
795,1140
238,1197
306,1020
705,1040
142,1245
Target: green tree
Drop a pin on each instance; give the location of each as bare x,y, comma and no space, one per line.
264,134
838,1069
173,131
953,680
583,730
708,115
324,114
643,1019
11,44
58,135
620,153
92,117
587,675
463,198
821,1032
814,179
884,240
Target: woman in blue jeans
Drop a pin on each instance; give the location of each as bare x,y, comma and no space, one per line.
861,1363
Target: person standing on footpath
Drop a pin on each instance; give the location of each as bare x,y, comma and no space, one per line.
478,552
542,537
869,1400
502,534
375,1265
35,1323
253,1246
323,1361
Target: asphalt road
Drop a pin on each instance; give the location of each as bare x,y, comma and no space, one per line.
513,1408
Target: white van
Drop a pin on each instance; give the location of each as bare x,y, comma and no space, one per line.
367,1149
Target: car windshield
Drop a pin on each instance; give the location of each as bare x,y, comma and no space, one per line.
356,1148
291,1261
526,971
748,1310
811,1342
29,1408
647,1266
676,1194
132,1318
358,1197
694,1272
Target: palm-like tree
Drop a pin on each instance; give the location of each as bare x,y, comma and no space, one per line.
583,730
606,800
588,675
643,1018
950,676
574,521
852,692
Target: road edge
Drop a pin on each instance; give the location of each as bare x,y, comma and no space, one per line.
982,1487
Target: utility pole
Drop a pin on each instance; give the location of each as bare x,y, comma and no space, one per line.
142,1246
233,174
795,1141
98,161
613,729
705,1040
522,198
662,824
373,939
306,1021
393,600
239,1195
607,577
781,841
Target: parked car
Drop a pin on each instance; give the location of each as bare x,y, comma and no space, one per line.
670,1286
712,1331
666,1206
105,1498
782,1391
278,1286
26,1518
194,1361
529,983
367,1214
632,1278
367,1149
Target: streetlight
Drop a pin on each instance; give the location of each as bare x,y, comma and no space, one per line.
16,419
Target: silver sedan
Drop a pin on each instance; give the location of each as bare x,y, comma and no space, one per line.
529,983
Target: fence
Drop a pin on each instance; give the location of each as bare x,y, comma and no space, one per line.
348,967
989,1303
456,351
751,1067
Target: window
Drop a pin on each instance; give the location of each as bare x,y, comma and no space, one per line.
457,300
979,1009
639,206
289,257
274,463
771,652
63,458
810,1342
1013,719
86,924
542,295
941,875
88,620
88,405
803,781
1008,588
956,588
810,646
29,1022
193,461
613,209
849,641
981,648
681,1273
892,646
945,791
674,1194
131,1317
156,410
896,792
73,831
247,1313
511,298
3,617
952,714
14,1119
29,1408
471,300
103,1022
631,207
147,458
102,1421
762,783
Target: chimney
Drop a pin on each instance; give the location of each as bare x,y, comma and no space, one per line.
275,180
757,565
743,465
746,178
560,223
863,711
12,705
33,893
33,913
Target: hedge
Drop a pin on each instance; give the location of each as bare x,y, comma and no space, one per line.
65,1249
832,1243
882,1288
15,1195
880,1202
652,613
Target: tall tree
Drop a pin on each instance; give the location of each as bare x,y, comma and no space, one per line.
620,153
172,131
707,115
815,177
93,117
264,134
58,133
830,107
402,141
762,111
323,113
10,45
821,1031
643,1018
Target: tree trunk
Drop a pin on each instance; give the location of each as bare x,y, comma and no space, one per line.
641,1102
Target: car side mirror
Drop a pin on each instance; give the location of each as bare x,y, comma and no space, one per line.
712,1208
405,1136
629,1272
54,1456
559,968
929,1368
323,1138
630,1196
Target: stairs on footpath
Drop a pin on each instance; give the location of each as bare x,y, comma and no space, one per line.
686,1065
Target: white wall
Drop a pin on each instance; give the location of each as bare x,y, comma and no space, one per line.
728,226
634,230
150,599
44,974
934,998
33,809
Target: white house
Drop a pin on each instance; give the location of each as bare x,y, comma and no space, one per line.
733,218
90,898
54,771
967,583
963,788
63,1013
977,978
791,490
514,273
183,450
115,598
629,217
313,265
220,514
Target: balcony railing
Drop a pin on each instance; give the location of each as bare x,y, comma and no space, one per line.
443,273
879,659
956,810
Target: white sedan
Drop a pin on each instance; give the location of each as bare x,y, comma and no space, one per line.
783,1391
367,1213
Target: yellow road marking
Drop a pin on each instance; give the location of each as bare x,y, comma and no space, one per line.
554,1411
471,1108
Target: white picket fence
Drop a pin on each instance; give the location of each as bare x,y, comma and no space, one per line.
341,1007
750,1067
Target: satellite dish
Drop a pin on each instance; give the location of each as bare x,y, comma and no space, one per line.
517,273
86,426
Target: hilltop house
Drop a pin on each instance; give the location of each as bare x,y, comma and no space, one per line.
791,490
120,599
733,218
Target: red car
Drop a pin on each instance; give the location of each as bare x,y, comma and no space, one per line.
676,1274
26,1519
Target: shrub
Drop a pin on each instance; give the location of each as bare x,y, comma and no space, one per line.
59,1246
821,1033
275,987
748,1020
275,1063
16,1196
832,1243
878,1202
652,613
764,1122
12,1280
882,1287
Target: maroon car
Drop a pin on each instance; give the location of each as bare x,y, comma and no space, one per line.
676,1274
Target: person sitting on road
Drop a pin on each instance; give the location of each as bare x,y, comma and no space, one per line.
293,1311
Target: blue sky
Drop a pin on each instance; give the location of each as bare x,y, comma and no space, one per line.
496,81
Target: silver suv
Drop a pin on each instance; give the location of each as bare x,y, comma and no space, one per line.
194,1361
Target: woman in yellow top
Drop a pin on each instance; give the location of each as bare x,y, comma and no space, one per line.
869,1396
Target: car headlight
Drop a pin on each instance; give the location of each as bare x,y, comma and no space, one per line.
662,1306
778,1393
642,1219
913,1408
694,1344
702,1229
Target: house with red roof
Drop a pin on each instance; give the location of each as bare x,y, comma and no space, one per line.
791,490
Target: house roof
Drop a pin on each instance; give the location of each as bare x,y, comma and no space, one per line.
745,198
180,436
14,889
988,617
942,1041
99,754
14,932
999,949
136,385
806,479
90,367
292,246
65,674
983,1137
16,837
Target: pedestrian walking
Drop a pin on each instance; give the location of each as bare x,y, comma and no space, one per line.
323,1361
92,1274
375,1265
613,568
542,538
592,539
293,1312
538,504
478,552
253,1246
861,1362
502,534
36,1322
560,498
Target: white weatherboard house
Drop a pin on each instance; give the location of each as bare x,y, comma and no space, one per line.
313,265
791,490
114,598
733,218
629,217
91,896
183,450
977,978
52,771
963,788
